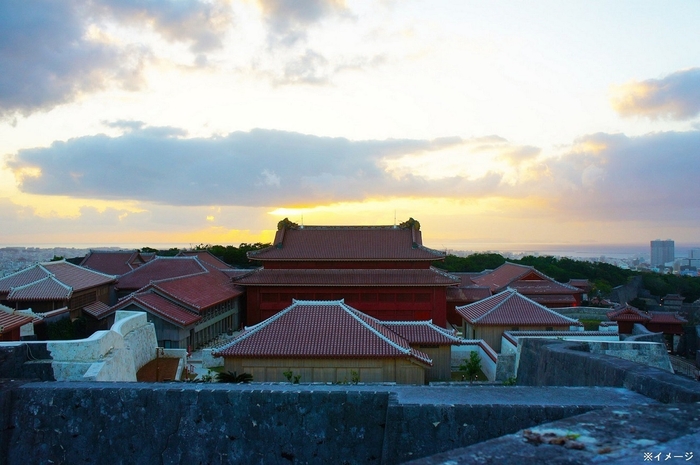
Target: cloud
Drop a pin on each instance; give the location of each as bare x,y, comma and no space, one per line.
616,177
51,52
260,167
45,59
309,68
600,177
200,23
676,96
288,21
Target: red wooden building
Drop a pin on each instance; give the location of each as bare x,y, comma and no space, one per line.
383,271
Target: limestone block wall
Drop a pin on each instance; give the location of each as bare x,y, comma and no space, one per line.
139,336
646,353
545,362
114,355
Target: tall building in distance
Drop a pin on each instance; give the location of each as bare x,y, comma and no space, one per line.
662,252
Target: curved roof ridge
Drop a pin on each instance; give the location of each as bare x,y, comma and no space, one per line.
543,307
51,277
352,311
79,267
499,304
250,330
24,270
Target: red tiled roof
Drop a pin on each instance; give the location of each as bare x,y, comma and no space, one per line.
554,299
346,277
465,278
628,313
160,268
115,262
314,329
48,288
536,286
511,308
10,321
522,277
97,309
467,294
51,281
423,332
205,257
160,306
580,283
351,243
200,291
667,318
77,277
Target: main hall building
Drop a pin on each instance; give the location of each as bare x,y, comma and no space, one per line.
383,271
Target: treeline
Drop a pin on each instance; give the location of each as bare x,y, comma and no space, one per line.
602,276
234,256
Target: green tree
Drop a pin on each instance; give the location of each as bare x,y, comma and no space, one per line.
471,366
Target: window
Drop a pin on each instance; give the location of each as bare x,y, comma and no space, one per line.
389,297
422,297
269,297
368,297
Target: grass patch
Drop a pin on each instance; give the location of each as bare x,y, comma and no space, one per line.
590,325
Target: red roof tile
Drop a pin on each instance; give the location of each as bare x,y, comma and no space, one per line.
314,329
346,277
563,299
10,321
51,281
509,308
114,262
667,318
97,309
48,288
205,257
423,332
351,243
200,291
467,294
160,268
628,313
158,305
77,277
522,277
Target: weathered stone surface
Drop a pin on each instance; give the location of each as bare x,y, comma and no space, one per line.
567,363
617,436
126,423
25,361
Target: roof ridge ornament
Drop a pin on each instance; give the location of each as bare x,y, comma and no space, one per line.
410,224
286,224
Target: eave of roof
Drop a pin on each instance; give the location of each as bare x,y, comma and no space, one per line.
346,277
309,333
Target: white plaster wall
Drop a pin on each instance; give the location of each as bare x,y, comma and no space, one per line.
209,361
114,355
461,354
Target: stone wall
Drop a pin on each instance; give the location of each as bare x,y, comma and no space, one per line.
25,360
178,423
113,355
124,423
545,362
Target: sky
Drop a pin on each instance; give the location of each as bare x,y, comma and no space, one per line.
493,123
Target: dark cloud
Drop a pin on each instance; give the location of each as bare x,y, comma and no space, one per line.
260,167
615,177
677,96
47,57
288,21
200,23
